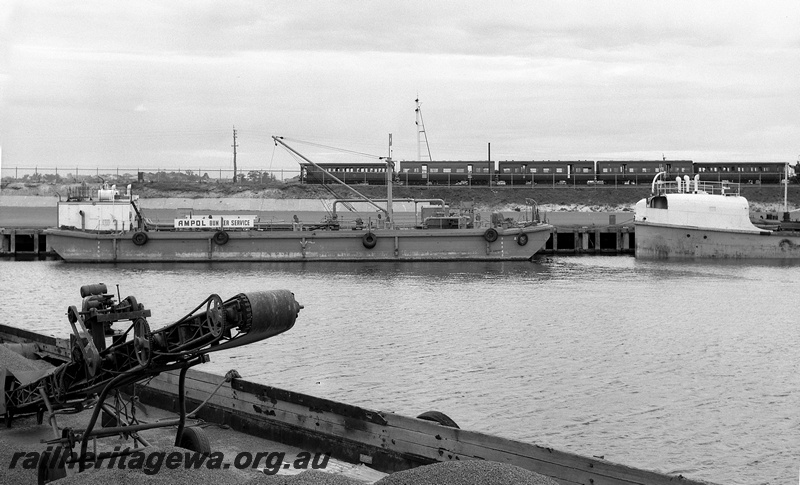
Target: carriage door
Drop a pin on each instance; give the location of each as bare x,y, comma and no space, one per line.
469,173
569,171
424,172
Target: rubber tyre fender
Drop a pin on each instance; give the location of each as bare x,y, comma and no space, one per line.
522,239
490,235
195,439
438,417
221,238
139,238
369,240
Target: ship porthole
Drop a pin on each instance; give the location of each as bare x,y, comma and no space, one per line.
522,239
139,239
369,240
221,238
490,235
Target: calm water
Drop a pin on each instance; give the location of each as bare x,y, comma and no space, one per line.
687,368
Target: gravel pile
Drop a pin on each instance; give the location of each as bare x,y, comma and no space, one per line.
9,359
308,477
467,472
165,475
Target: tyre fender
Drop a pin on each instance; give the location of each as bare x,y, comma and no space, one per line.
369,240
438,417
221,238
139,238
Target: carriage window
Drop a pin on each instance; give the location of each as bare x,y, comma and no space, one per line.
545,170
447,170
506,170
533,170
559,170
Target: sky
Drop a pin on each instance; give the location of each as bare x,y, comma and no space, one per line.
162,84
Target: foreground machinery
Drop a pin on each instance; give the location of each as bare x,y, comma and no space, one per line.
97,371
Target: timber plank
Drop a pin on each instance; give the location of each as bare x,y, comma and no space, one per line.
426,439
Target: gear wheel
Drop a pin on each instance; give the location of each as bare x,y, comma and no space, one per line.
142,342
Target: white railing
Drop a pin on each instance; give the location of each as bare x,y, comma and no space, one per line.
694,186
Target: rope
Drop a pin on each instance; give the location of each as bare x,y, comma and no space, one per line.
368,155
229,376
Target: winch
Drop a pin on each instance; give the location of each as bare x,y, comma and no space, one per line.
98,369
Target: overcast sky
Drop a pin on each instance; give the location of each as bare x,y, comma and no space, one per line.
161,84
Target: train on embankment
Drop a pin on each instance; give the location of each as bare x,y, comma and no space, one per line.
539,172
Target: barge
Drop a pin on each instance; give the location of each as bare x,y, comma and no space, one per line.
109,227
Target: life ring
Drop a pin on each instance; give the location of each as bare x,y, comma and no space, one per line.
139,238
490,235
522,239
369,240
221,238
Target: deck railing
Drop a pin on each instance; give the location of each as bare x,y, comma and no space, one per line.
694,186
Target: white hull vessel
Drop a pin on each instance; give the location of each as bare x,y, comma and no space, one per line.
693,219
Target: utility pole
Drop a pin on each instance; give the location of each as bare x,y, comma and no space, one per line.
234,154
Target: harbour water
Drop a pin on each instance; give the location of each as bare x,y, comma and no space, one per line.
687,368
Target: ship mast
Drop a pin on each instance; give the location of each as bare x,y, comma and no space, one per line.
786,192
234,154
421,133
389,174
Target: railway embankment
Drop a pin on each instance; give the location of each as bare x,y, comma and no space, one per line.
598,198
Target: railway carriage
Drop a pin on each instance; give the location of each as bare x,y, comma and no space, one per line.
741,172
444,172
545,172
372,173
640,171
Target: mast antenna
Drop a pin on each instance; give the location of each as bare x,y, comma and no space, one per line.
421,133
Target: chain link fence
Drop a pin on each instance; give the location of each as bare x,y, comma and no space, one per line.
121,175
